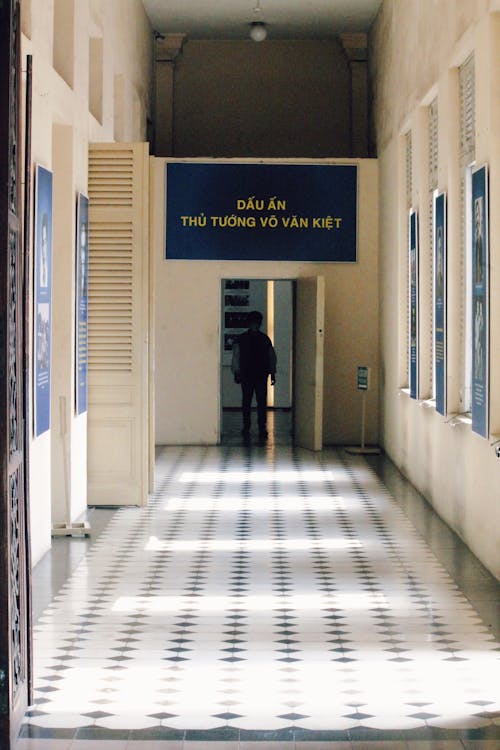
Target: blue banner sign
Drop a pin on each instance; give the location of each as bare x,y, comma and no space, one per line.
413,285
299,212
440,291
42,313
480,302
82,272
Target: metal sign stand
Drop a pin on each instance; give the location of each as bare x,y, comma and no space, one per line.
363,387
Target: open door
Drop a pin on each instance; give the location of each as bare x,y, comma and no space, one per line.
15,655
308,392
118,345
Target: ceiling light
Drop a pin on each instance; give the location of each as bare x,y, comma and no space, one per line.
258,29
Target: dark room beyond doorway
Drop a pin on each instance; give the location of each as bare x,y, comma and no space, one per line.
274,299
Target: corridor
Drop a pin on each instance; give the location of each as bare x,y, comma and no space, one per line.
270,594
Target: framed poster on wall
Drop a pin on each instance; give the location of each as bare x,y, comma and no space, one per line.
81,301
42,310
480,301
413,302
440,296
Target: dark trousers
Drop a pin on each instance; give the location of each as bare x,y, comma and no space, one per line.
248,387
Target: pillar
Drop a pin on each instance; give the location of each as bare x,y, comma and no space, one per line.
356,50
167,50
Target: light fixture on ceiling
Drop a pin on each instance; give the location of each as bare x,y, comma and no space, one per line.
258,29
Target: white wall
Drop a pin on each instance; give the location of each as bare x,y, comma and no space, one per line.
416,50
62,128
187,326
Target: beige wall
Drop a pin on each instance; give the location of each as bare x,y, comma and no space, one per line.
187,327
416,48
275,99
62,129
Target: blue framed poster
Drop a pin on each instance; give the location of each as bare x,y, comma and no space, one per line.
414,296
42,313
298,212
440,306
82,275
480,302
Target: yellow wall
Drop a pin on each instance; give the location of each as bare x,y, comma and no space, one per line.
187,326
62,128
416,48
277,99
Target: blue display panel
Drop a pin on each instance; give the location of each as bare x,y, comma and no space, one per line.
440,296
414,299
82,272
298,212
42,313
480,302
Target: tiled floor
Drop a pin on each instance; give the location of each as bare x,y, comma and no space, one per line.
279,424
275,596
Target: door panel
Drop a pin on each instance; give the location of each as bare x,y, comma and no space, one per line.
14,594
118,413
308,393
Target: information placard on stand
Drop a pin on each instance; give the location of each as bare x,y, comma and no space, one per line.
363,383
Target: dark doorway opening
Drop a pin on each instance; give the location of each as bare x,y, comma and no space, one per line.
274,298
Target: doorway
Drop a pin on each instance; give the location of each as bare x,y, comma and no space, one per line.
274,299
293,317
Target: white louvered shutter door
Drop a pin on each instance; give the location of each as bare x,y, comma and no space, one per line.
433,184
409,204
467,94
118,433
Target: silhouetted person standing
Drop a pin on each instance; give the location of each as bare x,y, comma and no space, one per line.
254,359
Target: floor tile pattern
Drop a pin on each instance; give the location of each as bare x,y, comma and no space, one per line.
263,589
279,426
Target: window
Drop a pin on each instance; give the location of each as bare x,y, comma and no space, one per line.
63,47
409,203
467,95
119,108
26,18
433,185
96,77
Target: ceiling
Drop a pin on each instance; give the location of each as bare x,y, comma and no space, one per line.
287,19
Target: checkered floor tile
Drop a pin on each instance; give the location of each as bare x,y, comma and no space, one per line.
263,589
